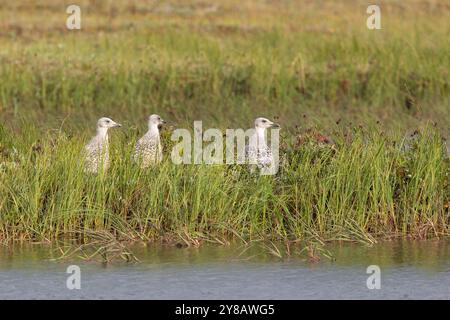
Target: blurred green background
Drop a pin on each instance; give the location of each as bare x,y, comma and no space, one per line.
309,63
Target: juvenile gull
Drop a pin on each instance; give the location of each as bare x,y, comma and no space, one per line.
97,150
257,151
148,150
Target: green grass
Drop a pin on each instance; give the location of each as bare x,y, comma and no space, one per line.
230,66
309,65
364,186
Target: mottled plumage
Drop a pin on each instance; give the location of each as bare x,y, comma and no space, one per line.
257,151
148,150
262,156
97,150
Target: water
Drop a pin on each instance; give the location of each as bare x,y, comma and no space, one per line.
409,270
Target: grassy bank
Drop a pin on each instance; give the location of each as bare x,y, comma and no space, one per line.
314,65
365,185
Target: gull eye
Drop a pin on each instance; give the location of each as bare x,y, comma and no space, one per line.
264,121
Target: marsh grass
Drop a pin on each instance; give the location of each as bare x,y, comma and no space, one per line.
362,187
318,69
226,66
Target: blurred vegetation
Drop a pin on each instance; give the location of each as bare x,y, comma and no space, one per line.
226,62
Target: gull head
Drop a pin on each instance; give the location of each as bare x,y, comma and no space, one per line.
107,123
265,123
155,120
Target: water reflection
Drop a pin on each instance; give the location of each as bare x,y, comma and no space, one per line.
424,254
410,269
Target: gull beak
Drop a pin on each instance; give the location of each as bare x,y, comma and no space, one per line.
163,121
274,125
117,125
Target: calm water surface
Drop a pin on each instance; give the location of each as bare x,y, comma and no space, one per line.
409,270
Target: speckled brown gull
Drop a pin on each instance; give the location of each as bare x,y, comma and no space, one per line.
97,150
148,150
257,151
